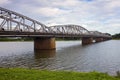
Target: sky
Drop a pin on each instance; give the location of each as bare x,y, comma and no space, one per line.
94,15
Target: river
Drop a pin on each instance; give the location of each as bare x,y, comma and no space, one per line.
69,55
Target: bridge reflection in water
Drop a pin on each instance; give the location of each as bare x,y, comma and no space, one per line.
44,53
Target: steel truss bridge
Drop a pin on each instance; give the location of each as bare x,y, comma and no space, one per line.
13,24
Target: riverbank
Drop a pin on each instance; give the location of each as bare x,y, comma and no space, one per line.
32,74
31,39
116,39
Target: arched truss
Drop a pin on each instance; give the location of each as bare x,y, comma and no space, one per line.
69,29
12,21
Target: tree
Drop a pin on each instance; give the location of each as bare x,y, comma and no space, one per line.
116,36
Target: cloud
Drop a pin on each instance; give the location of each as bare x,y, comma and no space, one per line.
58,3
49,11
3,2
66,3
100,15
112,4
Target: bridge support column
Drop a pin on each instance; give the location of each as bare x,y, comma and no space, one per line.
87,40
44,43
98,39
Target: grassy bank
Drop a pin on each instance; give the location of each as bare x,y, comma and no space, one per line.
116,39
30,74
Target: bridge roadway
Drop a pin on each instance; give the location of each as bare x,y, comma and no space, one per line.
38,34
13,24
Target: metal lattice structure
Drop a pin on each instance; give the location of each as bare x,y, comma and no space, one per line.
69,29
12,23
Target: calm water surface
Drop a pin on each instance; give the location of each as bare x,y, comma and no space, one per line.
69,55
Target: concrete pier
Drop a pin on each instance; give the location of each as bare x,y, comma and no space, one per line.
44,53
87,40
98,39
44,43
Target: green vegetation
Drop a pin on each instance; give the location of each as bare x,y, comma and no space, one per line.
67,39
31,39
116,36
16,39
32,74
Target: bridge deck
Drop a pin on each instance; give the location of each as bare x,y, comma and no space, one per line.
38,34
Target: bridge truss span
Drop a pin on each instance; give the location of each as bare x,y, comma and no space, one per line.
15,24
12,21
69,29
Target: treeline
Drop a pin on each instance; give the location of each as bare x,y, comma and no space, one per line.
67,38
116,36
15,39
31,39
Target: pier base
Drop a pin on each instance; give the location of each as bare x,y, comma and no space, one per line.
98,39
44,43
87,40
44,53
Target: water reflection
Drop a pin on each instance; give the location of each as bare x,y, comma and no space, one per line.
44,53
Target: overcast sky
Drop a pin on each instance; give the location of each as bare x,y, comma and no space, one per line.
94,15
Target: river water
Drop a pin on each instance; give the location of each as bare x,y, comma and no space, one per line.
69,55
